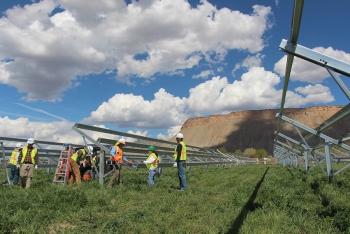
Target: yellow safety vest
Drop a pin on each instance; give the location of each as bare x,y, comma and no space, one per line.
93,161
33,153
183,155
75,155
14,155
154,163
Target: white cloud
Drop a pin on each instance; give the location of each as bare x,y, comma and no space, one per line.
54,131
92,37
248,62
255,90
127,110
303,70
204,74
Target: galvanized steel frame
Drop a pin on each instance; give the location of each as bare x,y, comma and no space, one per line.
334,67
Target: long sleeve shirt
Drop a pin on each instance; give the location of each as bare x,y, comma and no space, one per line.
114,151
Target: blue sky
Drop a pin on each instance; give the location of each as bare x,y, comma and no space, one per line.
147,66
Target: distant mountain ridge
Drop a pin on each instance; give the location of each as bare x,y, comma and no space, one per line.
255,128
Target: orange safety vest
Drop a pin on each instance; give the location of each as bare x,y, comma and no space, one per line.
33,153
118,157
14,157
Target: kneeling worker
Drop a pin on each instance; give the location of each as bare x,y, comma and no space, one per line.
74,162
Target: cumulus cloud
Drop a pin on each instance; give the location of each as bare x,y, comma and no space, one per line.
303,70
54,131
54,42
128,110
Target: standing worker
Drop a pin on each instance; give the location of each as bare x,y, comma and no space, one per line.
12,165
180,157
74,163
28,160
95,161
151,164
117,159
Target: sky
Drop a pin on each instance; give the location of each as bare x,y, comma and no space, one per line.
144,67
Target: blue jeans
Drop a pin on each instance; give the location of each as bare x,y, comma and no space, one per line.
13,175
181,174
151,174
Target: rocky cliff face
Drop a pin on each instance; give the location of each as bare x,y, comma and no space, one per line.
255,128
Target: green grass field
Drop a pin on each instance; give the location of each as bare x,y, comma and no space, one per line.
247,199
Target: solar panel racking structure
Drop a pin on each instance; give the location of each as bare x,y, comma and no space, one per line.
328,149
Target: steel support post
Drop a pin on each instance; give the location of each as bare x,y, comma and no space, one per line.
328,161
306,158
102,167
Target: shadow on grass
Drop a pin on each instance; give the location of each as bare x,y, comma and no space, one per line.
248,207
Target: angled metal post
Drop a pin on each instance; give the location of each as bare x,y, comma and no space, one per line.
328,161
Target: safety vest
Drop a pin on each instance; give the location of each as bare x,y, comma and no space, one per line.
33,153
183,155
154,163
14,157
93,161
118,157
75,155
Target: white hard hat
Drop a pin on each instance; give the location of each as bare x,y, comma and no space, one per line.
30,141
122,141
90,148
19,145
179,135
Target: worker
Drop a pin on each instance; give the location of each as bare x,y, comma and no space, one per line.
151,164
180,157
74,163
117,159
12,165
85,166
95,162
28,160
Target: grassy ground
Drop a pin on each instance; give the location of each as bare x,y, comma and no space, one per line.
246,199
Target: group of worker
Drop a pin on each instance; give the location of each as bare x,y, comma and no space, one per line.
24,160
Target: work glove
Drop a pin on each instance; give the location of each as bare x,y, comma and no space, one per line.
17,166
36,167
175,164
